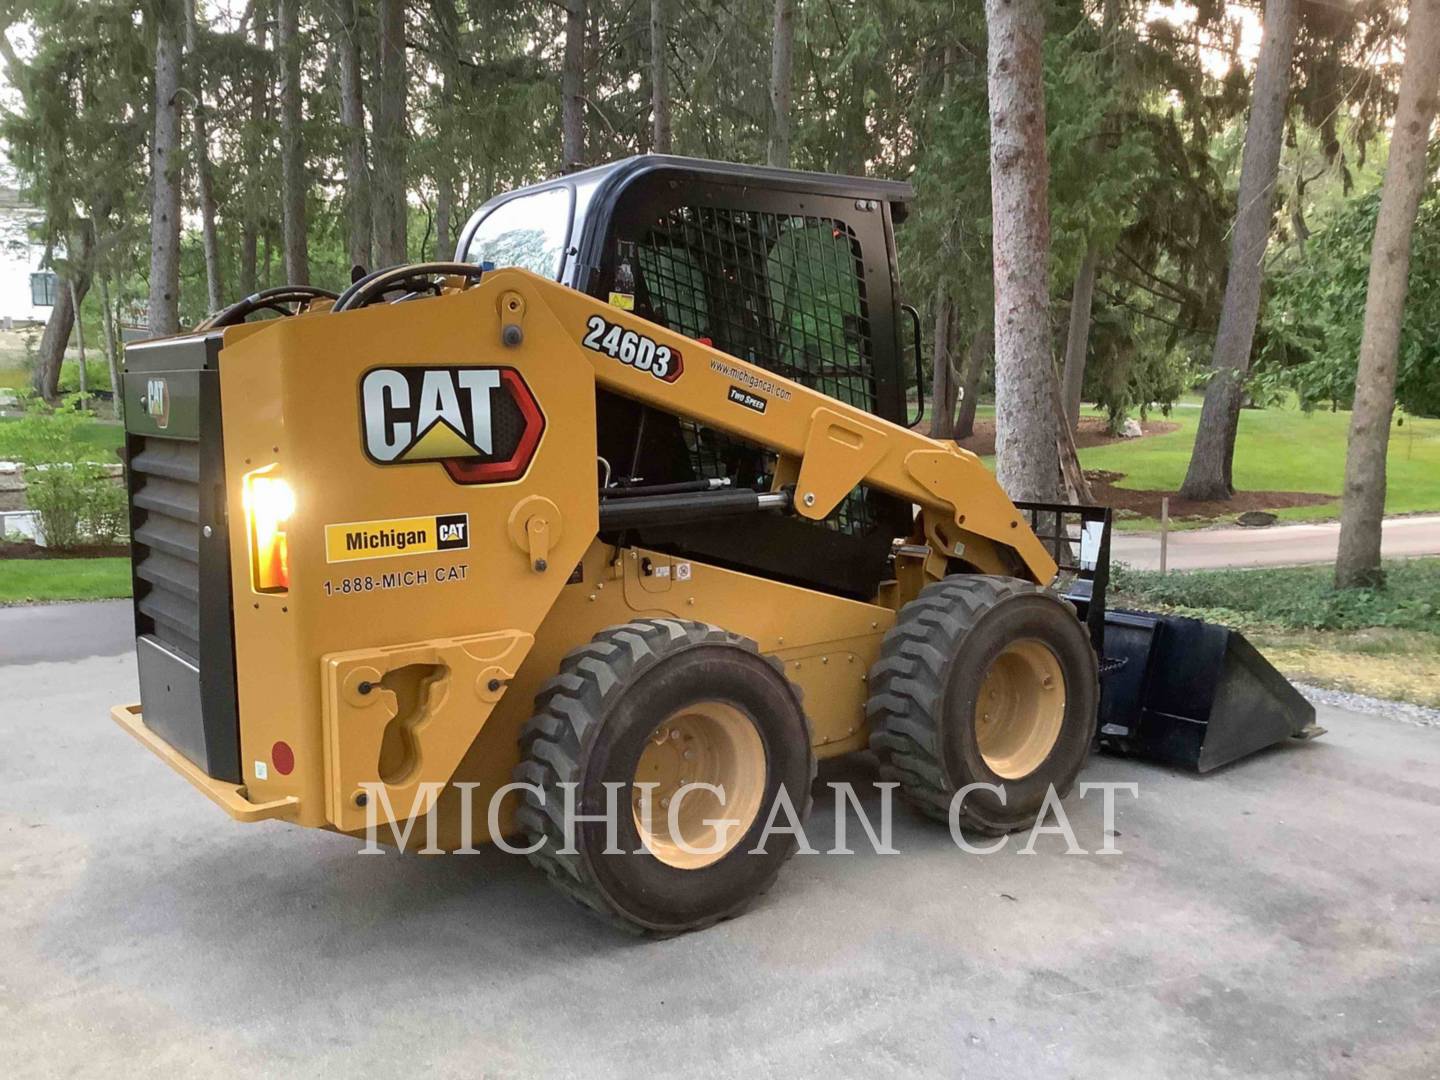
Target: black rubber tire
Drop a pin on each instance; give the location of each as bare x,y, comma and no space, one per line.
925,684
591,722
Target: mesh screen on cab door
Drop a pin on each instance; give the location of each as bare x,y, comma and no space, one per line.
782,291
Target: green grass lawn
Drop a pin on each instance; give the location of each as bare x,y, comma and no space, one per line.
1277,449
29,580
106,436
1282,449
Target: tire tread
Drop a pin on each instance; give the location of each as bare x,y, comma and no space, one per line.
569,709
908,685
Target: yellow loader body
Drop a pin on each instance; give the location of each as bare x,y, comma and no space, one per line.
398,657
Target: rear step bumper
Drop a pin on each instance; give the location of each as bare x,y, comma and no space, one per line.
229,797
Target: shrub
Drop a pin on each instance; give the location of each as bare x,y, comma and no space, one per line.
97,376
43,435
71,492
62,494
108,519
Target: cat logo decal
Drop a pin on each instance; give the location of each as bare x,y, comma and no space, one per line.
482,424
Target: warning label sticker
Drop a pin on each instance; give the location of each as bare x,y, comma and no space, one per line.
396,536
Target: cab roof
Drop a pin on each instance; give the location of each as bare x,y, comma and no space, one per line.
614,177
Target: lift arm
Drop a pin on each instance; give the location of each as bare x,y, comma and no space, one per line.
826,447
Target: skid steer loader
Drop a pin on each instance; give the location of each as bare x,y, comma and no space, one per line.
623,501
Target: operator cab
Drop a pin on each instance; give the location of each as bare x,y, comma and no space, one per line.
792,271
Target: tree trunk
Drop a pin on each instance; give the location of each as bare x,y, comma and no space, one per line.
447,21
1082,294
45,375
952,373
981,346
1363,506
942,395
251,225
112,350
249,252
943,387
659,79
782,56
1075,488
1077,342
294,187
352,118
165,153
204,180
572,87
444,206
71,289
82,362
1209,474
391,211
1026,462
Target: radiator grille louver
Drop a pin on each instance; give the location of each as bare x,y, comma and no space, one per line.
180,551
167,534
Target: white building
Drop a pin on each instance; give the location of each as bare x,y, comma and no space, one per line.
26,292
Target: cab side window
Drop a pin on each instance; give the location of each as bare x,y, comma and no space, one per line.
784,291
817,297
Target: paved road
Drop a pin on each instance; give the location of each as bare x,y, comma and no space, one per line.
1279,918
1279,545
31,633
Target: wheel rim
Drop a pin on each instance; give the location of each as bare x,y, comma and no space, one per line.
707,742
1021,709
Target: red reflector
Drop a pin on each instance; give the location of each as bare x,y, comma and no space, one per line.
283,758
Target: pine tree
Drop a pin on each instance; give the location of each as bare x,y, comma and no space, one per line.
1027,463
1209,474
165,162
1363,509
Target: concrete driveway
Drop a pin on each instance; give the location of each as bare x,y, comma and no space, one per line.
1278,545
1280,918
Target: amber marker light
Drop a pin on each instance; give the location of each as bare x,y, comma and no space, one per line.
269,502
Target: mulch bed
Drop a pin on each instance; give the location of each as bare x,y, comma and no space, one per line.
28,549
1093,432
1147,503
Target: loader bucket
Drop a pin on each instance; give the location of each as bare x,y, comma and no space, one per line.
1191,693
